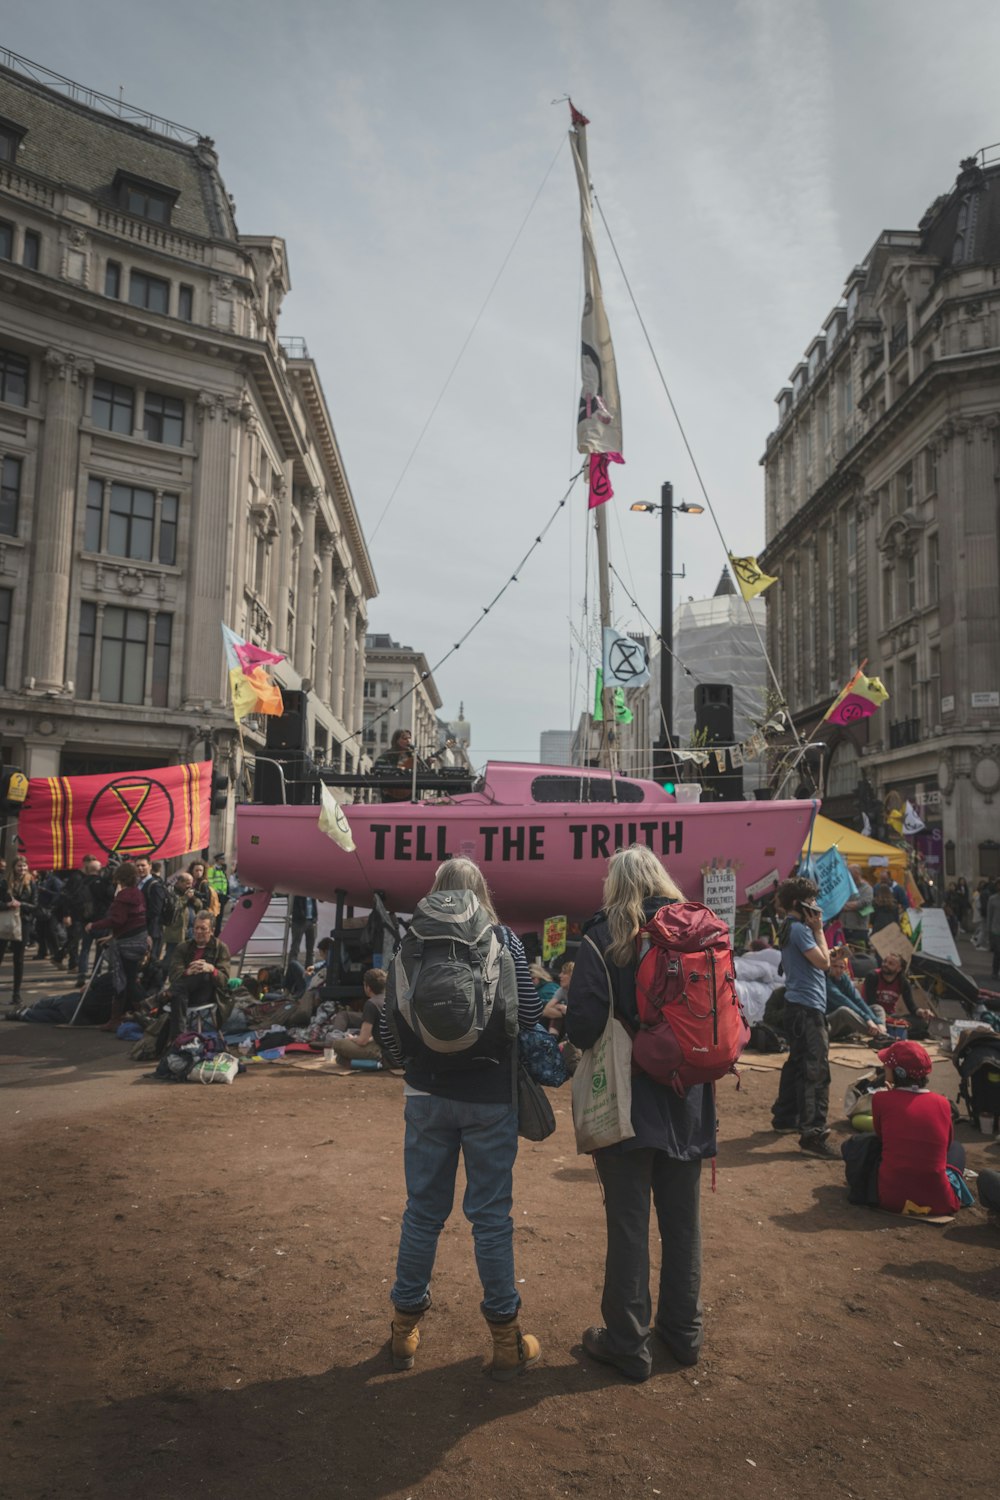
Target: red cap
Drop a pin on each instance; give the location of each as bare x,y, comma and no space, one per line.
914,1060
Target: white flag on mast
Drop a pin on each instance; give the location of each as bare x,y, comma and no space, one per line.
599,421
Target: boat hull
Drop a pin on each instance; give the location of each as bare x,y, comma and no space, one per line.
539,860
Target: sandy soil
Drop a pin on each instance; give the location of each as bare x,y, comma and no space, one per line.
196,1289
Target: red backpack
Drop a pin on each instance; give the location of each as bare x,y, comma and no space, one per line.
691,1025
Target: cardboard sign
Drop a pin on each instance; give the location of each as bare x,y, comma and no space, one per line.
553,938
935,934
892,940
720,895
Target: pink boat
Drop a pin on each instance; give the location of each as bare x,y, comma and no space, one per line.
541,835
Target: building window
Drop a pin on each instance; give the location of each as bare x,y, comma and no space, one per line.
166,551
6,599
133,522
10,496
6,241
31,250
164,419
930,471
912,592
886,598
150,292
11,136
13,378
123,655
113,407
147,200
113,280
162,632
185,304
934,686
85,650
933,568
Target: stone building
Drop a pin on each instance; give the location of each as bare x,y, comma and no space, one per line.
168,461
882,525
399,693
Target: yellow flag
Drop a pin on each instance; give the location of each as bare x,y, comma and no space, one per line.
750,577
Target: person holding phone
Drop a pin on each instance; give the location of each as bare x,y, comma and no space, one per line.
804,1089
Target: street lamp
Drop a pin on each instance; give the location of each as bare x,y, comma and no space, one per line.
664,767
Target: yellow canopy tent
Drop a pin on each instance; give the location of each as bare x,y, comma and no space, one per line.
854,847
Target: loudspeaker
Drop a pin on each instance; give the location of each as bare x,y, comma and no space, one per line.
713,712
288,731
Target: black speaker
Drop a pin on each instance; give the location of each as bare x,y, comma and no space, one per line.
713,712
289,730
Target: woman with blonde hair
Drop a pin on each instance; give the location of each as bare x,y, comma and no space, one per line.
662,1161
19,892
454,1108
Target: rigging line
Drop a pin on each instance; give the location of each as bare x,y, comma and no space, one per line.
694,464
663,645
484,611
467,341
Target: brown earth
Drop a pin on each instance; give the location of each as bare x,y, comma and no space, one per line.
196,1304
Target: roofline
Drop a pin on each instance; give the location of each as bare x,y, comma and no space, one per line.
92,102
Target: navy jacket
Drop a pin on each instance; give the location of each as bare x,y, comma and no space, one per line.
683,1127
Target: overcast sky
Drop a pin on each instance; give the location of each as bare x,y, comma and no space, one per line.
746,153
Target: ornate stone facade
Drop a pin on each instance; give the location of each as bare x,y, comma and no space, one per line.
168,464
882,523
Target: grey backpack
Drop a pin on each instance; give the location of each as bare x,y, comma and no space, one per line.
451,995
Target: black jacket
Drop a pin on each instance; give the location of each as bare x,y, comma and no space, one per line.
683,1127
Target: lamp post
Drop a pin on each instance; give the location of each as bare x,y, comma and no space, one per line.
664,766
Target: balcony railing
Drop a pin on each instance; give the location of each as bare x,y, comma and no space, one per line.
904,732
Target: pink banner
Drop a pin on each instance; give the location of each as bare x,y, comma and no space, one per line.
600,480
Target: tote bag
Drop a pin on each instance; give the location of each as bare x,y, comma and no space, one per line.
602,1087
10,926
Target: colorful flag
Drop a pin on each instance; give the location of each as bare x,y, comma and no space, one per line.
750,576
625,662
860,698
912,823
132,814
332,821
623,714
599,422
836,887
253,691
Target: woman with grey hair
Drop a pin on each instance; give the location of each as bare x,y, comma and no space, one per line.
662,1161
465,1108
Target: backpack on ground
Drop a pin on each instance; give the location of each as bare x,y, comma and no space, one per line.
691,1024
451,995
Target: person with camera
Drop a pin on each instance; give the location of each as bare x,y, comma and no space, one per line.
804,1089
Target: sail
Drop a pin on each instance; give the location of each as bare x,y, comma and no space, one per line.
599,423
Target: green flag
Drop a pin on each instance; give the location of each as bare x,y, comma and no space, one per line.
623,714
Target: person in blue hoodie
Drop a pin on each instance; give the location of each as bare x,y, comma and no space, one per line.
846,1012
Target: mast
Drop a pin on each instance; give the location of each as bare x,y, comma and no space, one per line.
599,427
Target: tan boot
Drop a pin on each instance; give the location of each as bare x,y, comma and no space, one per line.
513,1351
405,1338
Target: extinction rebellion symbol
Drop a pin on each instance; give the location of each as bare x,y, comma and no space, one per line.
131,816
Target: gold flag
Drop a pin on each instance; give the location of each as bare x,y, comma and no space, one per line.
750,576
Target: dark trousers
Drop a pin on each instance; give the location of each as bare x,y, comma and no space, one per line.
300,930
17,955
989,1191
629,1180
804,1089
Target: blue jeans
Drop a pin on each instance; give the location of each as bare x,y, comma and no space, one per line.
486,1135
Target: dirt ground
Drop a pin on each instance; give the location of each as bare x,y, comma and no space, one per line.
195,1303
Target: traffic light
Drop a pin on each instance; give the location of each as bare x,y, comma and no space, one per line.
220,791
13,790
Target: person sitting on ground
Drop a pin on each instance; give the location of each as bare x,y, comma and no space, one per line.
846,1012
125,925
887,987
364,1044
199,975
914,1129
554,1011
